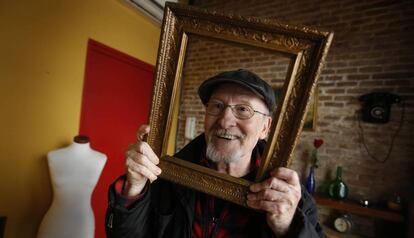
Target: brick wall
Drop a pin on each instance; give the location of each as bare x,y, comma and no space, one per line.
206,57
371,51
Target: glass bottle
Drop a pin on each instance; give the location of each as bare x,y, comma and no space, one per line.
338,189
310,181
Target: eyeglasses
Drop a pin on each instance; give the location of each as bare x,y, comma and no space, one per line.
240,111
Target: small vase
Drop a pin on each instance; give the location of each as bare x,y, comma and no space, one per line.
310,181
338,189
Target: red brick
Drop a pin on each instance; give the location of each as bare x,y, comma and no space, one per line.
346,84
326,84
324,98
335,91
328,71
347,70
371,83
343,98
333,104
357,76
333,78
372,69
398,82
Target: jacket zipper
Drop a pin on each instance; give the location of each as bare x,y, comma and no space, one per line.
110,220
217,223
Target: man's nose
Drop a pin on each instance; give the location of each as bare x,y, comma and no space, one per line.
226,118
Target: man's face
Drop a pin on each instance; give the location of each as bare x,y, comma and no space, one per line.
228,138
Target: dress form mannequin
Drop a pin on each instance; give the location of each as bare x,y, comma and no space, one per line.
74,172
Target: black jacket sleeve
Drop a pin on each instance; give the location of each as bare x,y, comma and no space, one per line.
128,223
305,222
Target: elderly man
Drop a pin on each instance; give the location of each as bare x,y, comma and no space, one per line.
237,120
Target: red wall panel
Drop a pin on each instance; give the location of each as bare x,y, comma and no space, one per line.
116,100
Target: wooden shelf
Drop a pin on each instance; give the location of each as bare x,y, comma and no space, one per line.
355,208
331,233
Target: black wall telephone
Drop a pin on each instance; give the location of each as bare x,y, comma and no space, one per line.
377,105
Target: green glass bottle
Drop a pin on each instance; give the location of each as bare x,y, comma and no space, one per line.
338,189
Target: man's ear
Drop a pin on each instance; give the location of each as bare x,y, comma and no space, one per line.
266,128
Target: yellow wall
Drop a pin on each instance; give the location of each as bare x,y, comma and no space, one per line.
42,58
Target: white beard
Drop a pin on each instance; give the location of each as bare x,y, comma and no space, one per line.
215,156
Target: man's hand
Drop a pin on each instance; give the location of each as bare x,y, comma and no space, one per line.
278,196
141,164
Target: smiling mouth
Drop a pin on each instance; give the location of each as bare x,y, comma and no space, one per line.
223,134
227,137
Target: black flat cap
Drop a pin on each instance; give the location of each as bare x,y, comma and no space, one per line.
243,78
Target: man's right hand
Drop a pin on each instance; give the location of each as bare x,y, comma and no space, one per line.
141,164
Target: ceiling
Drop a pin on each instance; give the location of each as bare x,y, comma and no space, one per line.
152,8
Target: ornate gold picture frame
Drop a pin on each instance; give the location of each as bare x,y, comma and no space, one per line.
305,47
311,112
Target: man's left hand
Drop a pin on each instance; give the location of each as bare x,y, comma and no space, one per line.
278,196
